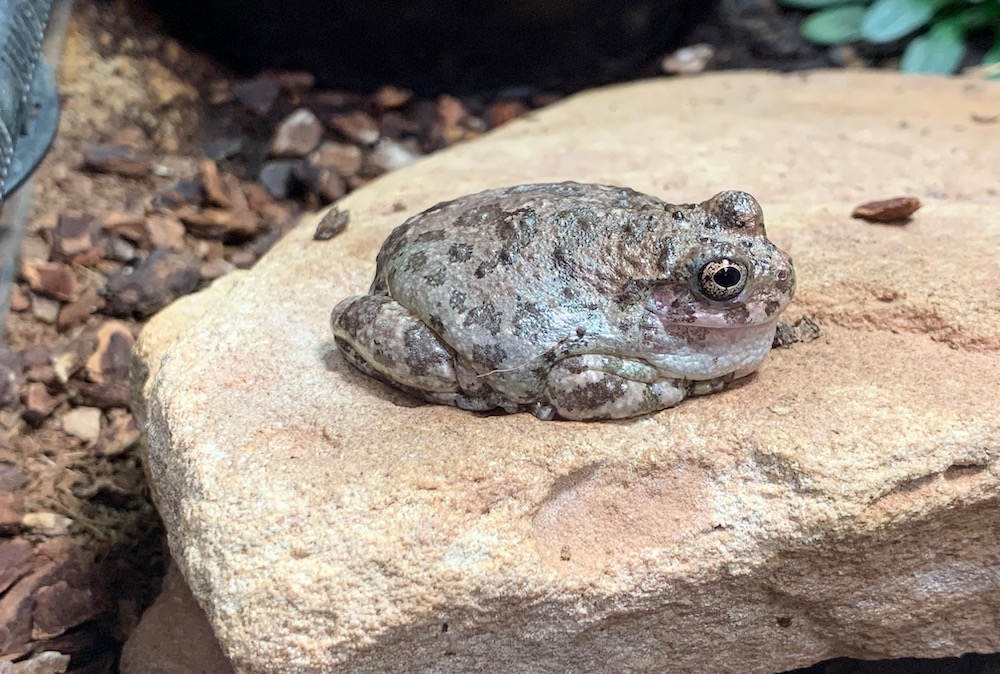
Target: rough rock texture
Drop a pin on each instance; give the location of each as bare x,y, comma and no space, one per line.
844,502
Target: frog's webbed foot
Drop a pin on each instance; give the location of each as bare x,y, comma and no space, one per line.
607,387
382,339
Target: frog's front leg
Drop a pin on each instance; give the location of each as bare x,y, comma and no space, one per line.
596,386
384,340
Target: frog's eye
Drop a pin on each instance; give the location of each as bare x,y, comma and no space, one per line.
722,279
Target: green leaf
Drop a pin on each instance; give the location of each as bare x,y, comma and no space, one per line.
939,52
983,15
888,20
835,25
992,58
811,4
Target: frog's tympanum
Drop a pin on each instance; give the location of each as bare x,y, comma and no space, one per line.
569,300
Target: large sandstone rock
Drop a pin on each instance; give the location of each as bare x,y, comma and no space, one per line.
844,502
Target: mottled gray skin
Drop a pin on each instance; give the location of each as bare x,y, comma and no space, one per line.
571,300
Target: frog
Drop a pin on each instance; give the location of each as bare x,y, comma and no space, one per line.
569,300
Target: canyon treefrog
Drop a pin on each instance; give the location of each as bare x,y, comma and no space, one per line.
571,300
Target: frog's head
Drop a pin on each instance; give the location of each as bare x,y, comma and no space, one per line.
726,274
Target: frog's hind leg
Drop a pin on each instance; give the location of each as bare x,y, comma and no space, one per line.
607,387
380,337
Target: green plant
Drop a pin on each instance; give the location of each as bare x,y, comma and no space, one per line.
938,48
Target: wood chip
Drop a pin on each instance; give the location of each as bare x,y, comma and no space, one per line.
117,159
72,236
112,356
11,512
896,209
211,183
332,224
51,279
80,309
150,285
217,223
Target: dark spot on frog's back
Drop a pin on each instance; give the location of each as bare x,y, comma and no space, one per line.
422,352
517,225
529,319
359,314
486,317
415,261
560,260
599,393
457,300
488,357
459,252
431,235
437,277
479,216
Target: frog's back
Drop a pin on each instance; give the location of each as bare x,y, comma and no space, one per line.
505,275
536,232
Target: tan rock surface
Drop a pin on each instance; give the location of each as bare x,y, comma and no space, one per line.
844,502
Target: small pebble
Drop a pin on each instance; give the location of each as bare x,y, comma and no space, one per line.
390,155
276,176
343,158
895,209
83,423
214,269
118,436
165,231
10,375
296,82
689,60
356,127
297,134
222,148
65,366
389,97
329,186
257,95
19,300
38,404
44,309
46,523
332,224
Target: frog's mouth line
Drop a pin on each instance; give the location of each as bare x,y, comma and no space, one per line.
678,308
752,317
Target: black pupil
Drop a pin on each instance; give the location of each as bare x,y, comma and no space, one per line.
727,277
